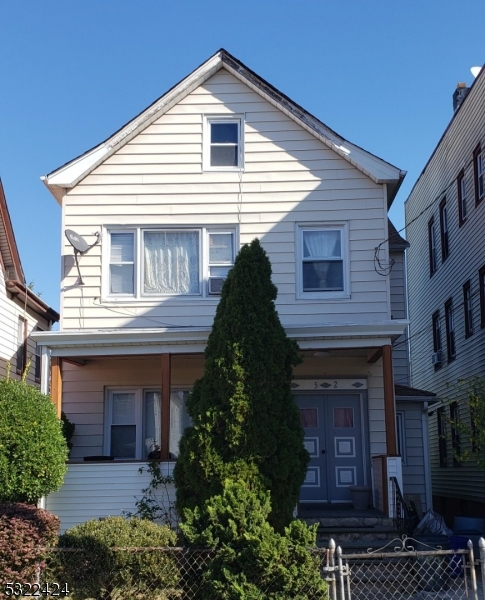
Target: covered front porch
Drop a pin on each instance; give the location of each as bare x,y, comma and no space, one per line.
125,392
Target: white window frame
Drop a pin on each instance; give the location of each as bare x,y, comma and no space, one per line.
107,261
207,262
226,118
138,230
344,245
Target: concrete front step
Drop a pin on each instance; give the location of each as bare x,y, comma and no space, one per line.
354,533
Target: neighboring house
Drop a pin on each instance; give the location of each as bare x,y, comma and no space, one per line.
445,221
21,311
223,157
411,404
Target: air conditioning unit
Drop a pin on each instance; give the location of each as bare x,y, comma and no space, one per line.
215,285
436,358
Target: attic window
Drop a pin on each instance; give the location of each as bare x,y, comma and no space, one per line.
223,143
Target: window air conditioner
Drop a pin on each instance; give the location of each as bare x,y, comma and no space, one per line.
436,358
215,285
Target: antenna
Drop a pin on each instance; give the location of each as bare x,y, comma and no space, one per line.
475,71
80,247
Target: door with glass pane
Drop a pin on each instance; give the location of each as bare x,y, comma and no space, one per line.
334,439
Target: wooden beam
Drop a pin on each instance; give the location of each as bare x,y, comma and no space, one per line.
165,413
374,354
389,401
56,383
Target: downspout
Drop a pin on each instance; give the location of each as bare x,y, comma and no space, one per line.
426,458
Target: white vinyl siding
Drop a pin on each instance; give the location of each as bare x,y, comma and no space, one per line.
94,490
289,177
11,310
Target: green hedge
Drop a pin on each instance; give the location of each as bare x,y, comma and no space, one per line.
97,571
33,451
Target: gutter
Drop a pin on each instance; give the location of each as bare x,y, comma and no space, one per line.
26,295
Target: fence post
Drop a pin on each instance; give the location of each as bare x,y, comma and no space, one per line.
331,569
473,575
481,546
340,573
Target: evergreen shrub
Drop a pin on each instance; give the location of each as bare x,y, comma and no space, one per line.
245,423
24,531
33,451
251,560
97,571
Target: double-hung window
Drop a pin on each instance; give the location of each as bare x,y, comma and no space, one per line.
134,422
455,433
441,426
481,283
478,174
468,308
432,247
122,263
461,189
223,143
221,258
450,330
323,261
445,246
156,262
436,340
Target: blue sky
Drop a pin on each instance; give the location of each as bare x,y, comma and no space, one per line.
379,72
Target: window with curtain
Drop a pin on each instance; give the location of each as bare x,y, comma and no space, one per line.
171,262
143,262
322,260
179,420
133,426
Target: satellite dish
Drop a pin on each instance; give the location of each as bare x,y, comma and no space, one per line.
475,71
80,247
77,241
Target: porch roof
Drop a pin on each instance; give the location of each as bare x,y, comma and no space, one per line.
99,342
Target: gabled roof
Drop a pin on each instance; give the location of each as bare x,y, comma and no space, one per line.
8,246
14,274
70,174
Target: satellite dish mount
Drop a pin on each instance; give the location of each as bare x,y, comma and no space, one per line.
80,247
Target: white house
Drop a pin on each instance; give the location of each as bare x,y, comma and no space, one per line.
21,310
221,158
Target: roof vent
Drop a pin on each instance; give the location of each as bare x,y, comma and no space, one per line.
459,95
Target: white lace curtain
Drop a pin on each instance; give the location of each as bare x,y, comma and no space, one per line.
171,263
321,244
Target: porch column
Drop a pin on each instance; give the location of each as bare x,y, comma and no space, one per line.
389,401
56,383
165,413
44,370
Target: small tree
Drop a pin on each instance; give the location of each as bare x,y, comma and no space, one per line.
245,422
33,451
250,559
